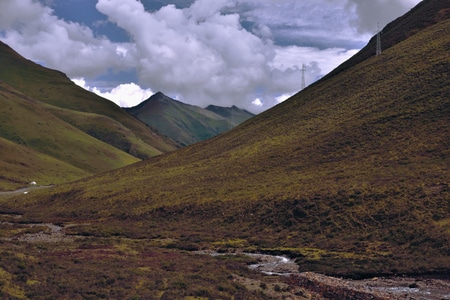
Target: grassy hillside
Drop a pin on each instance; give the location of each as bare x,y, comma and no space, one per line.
44,142
65,126
54,88
350,176
184,123
21,165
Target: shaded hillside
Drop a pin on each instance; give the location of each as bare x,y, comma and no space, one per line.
350,176
54,88
184,123
233,114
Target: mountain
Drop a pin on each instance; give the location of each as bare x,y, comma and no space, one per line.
184,123
350,176
63,127
233,114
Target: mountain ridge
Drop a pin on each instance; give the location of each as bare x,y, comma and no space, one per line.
185,123
45,111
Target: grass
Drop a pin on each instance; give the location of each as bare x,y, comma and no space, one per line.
21,165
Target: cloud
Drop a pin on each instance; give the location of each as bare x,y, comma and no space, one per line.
257,102
197,52
36,33
222,52
204,55
320,23
124,95
283,97
16,13
370,13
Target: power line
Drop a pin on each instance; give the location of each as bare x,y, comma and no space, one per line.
303,77
378,52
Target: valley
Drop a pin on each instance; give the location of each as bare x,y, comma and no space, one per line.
348,181
283,278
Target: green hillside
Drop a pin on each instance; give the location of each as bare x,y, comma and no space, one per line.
54,88
184,123
51,142
21,165
84,134
350,176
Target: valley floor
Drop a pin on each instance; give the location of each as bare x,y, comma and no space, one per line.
25,247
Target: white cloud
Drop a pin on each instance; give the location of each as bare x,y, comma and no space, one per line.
257,102
33,30
320,62
205,56
201,53
283,98
124,95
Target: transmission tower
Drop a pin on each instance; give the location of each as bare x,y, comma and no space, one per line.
303,77
378,40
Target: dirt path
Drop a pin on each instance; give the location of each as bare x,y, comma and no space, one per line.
24,190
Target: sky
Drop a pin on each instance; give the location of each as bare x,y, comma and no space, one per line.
248,53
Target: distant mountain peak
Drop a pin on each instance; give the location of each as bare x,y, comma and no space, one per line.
186,123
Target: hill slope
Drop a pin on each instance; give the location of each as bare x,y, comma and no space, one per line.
350,176
43,110
184,123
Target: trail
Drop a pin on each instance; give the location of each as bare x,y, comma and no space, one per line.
24,190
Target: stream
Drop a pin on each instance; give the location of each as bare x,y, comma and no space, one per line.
267,264
392,287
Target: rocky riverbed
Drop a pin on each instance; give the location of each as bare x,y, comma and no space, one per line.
420,288
325,286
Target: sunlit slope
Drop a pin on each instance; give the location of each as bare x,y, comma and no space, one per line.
53,87
29,124
351,175
21,165
107,130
